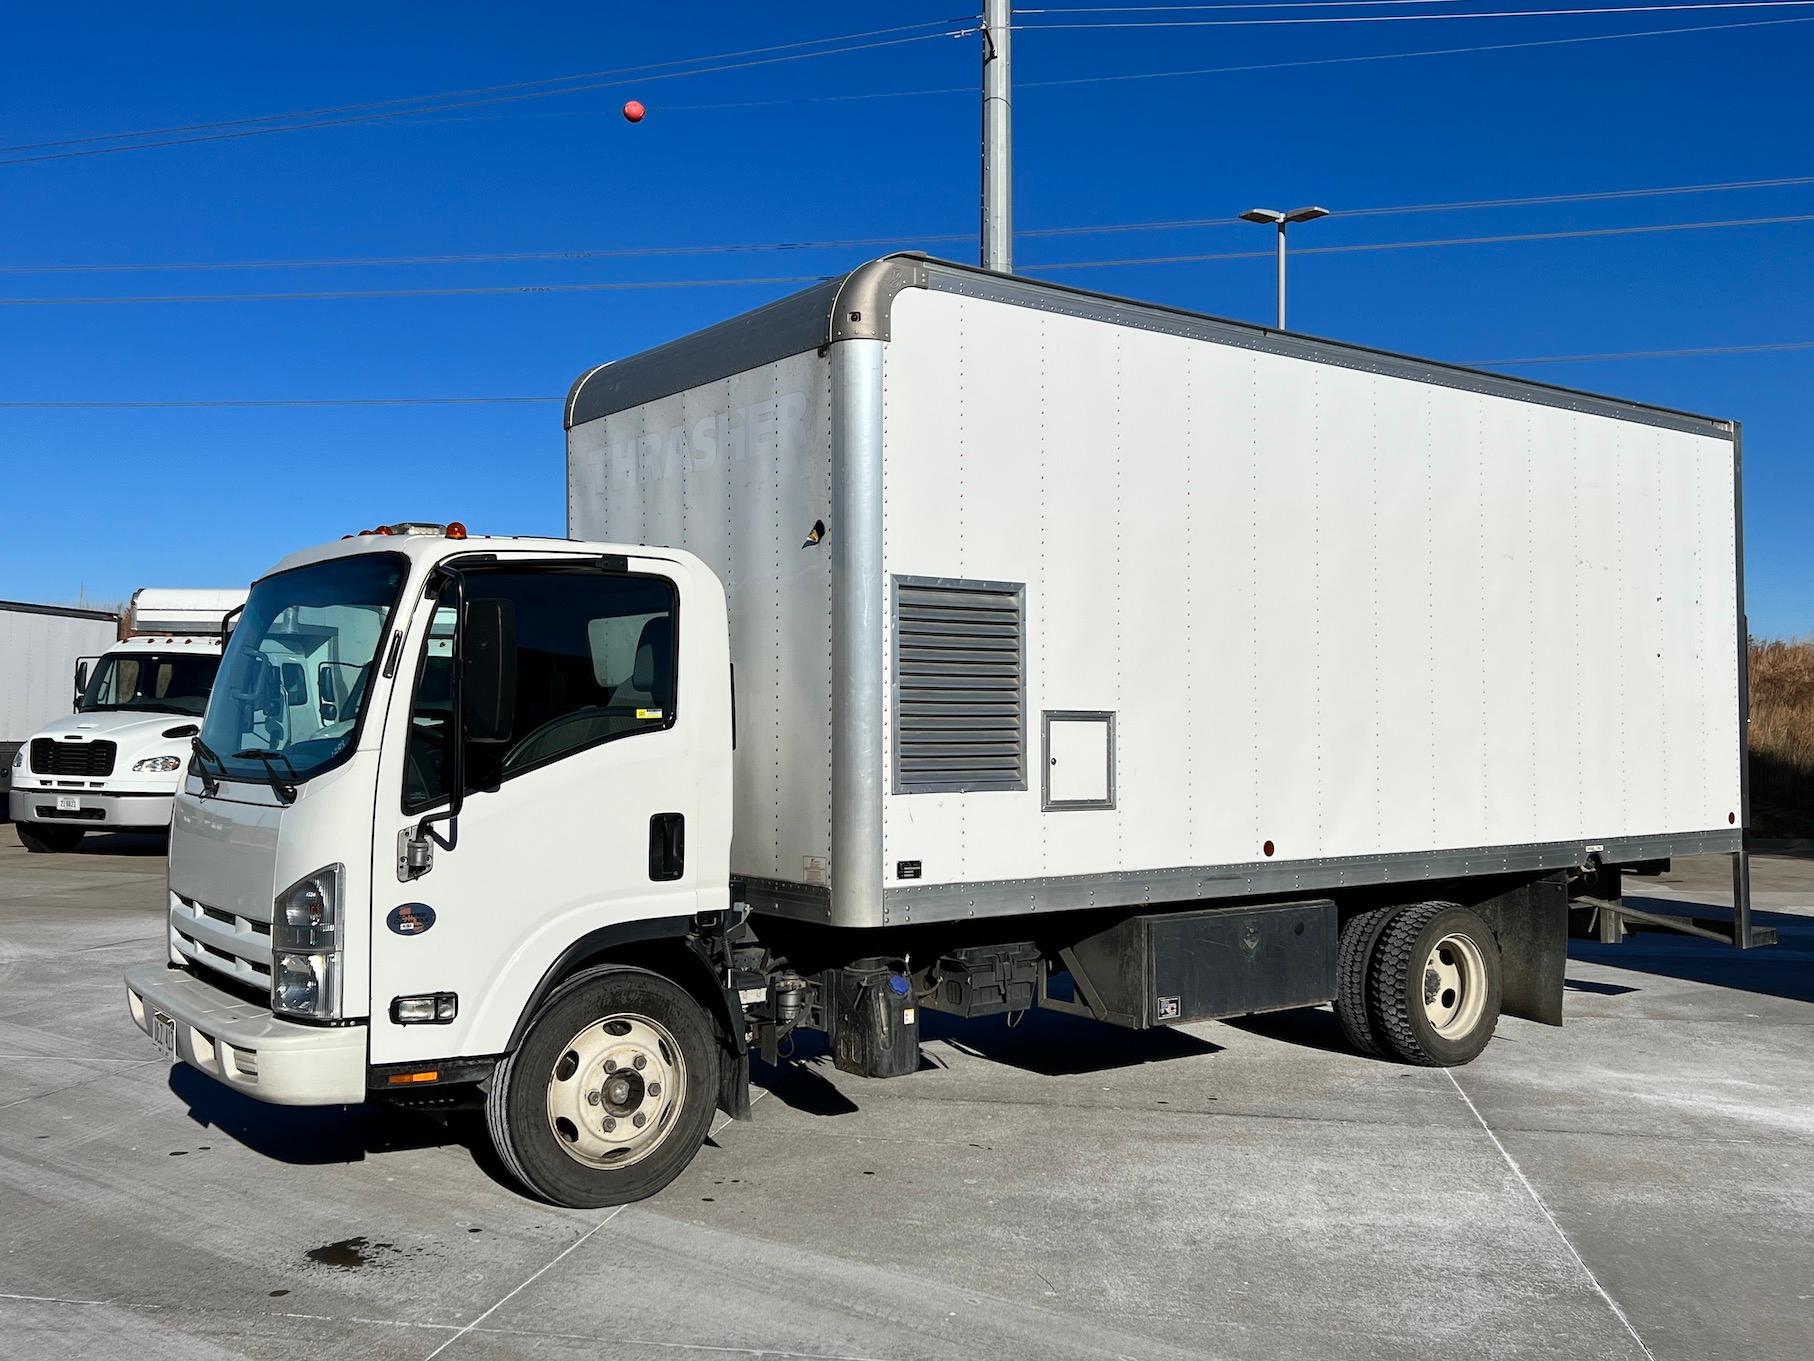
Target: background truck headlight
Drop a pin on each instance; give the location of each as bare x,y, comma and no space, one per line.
19,759
305,945
156,763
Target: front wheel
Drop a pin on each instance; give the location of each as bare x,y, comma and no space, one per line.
40,837
1435,984
611,1092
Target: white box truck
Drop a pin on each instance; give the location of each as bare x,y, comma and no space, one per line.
939,639
114,764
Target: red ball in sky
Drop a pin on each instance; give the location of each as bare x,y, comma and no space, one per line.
633,110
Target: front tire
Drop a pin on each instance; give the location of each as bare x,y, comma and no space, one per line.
1435,984
43,837
611,1092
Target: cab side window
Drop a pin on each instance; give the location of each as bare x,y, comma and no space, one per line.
595,661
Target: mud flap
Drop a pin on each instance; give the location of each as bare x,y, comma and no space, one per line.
1531,923
734,1082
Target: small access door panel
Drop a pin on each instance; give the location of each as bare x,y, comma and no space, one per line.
1079,751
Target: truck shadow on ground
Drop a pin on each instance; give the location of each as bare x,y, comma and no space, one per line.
121,843
1046,1043
313,1136
1785,969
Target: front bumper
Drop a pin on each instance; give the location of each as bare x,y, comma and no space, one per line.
95,810
243,1045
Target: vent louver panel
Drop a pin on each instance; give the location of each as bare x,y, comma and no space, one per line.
959,687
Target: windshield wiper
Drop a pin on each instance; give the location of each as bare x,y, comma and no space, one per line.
203,754
285,789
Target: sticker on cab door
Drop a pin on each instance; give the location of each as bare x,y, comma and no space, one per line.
410,919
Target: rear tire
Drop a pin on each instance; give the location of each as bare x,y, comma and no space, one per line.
1435,984
42,837
611,1092
1354,956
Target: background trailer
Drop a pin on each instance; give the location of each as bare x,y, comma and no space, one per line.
1042,600
39,648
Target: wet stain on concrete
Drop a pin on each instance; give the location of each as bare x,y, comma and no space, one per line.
349,1254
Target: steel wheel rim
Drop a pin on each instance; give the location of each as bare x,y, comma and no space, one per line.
1454,986
615,1091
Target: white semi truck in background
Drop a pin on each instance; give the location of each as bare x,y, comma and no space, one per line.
114,764
939,639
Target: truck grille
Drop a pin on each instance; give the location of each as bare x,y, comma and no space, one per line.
51,757
224,942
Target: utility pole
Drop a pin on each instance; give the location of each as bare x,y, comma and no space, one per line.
1281,221
998,137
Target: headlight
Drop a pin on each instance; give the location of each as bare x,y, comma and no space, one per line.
19,759
305,985
156,763
305,945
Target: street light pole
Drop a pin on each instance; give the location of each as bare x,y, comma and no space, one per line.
1280,221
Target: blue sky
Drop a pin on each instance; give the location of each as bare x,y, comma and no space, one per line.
102,501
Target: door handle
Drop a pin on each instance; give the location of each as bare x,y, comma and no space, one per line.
667,847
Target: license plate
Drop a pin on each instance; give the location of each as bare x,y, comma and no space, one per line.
163,1034
68,803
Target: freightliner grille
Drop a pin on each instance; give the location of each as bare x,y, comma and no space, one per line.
87,759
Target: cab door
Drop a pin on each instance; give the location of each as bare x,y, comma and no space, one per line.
577,803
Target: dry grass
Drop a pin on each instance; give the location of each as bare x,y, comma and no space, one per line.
1782,737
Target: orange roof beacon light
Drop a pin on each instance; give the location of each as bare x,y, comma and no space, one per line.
456,530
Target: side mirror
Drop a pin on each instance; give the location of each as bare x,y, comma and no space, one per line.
328,704
488,670
83,664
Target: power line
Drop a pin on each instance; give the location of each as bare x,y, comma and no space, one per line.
1259,4
238,402
874,242
1187,72
1691,353
478,103
349,295
1055,266
474,90
501,257
1460,205
1096,25
1505,238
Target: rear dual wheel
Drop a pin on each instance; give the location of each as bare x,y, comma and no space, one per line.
611,1092
1421,983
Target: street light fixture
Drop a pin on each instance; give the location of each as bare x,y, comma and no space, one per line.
1281,221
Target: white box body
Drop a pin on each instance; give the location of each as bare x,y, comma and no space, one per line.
1292,615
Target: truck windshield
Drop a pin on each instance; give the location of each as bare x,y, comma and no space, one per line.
296,672
151,682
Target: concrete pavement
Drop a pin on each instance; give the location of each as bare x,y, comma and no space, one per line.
1640,1182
